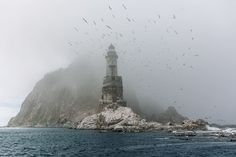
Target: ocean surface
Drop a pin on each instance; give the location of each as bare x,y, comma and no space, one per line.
66,142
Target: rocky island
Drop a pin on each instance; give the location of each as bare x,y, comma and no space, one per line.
59,100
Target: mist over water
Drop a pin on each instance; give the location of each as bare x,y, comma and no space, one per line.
178,54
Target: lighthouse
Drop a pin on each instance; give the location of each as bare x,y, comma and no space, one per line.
112,90
111,62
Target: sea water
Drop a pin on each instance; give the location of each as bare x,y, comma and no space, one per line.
66,142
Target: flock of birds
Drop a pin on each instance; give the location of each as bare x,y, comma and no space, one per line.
112,34
109,33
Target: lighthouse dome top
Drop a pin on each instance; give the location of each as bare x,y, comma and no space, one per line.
111,47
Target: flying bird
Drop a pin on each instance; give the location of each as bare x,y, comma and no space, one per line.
128,19
109,27
124,6
85,20
76,29
70,43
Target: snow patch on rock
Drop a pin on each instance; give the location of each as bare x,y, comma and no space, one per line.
117,118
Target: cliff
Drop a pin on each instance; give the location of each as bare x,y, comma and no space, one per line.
64,97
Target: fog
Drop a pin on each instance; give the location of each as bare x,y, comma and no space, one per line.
175,53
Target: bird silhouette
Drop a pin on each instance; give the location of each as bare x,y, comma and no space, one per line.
76,29
124,6
109,27
128,19
85,20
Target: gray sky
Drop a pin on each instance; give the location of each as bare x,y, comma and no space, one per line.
180,53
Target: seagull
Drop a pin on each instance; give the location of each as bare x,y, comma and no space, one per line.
85,20
124,6
110,8
128,19
76,29
70,43
109,27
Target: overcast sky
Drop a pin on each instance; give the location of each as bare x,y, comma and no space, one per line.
180,53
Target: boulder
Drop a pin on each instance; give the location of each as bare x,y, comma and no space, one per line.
194,125
117,118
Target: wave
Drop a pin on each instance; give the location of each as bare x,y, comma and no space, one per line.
210,128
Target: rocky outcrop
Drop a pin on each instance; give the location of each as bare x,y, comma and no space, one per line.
170,115
123,119
118,118
69,98
64,97
195,125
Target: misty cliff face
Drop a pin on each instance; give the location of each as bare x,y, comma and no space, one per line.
64,96
61,96
169,115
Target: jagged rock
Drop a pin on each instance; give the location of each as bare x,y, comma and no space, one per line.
117,118
63,98
69,98
170,116
194,125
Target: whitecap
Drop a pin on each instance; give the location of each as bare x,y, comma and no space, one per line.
210,128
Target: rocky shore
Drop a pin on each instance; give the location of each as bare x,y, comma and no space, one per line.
123,119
